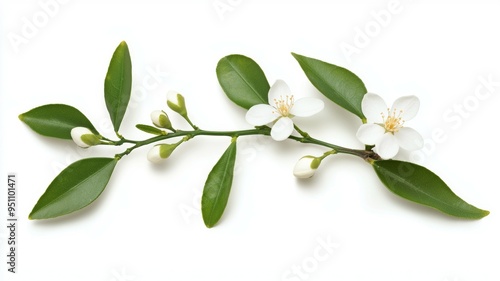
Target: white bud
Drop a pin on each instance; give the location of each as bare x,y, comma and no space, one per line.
161,152
160,119
84,137
154,155
306,167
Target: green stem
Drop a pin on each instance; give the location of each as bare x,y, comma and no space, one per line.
191,134
328,153
191,123
263,130
118,142
365,154
302,133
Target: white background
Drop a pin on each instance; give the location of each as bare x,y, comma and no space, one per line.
147,225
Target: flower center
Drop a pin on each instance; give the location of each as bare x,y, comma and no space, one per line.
393,122
283,105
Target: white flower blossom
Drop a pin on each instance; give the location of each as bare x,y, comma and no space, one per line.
281,108
84,137
385,127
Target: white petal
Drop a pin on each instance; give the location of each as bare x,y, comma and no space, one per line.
408,104
370,133
409,139
303,169
77,133
155,117
307,106
154,155
372,106
278,89
388,146
282,129
261,114
172,96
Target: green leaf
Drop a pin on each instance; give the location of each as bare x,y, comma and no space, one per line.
336,83
74,188
218,186
118,84
420,185
242,80
56,120
150,129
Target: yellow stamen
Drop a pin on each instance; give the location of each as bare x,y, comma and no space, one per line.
393,122
283,105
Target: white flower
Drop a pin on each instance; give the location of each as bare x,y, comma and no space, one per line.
386,130
281,108
306,167
84,137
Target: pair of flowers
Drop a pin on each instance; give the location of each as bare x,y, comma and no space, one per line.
385,130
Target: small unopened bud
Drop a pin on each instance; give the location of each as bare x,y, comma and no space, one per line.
84,137
161,152
160,119
175,101
306,167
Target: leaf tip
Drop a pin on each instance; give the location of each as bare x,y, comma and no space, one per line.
296,56
485,213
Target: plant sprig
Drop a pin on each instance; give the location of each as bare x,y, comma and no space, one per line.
245,83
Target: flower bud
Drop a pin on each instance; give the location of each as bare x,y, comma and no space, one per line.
175,101
84,137
306,167
160,152
160,119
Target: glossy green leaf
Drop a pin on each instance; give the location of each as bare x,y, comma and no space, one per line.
74,188
150,129
218,186
56,120
420,185
242,80
118,84
336,83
